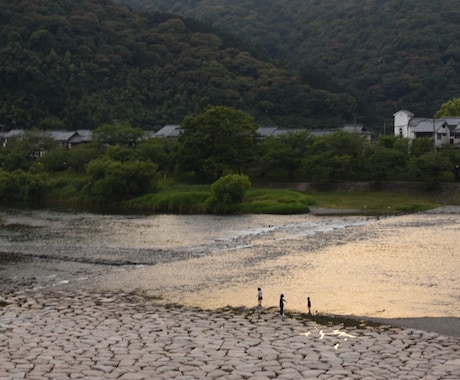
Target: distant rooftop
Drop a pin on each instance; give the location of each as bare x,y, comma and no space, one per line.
172,130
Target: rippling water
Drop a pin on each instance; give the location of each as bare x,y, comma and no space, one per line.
402,266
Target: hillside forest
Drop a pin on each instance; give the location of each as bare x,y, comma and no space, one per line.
76,65
393,54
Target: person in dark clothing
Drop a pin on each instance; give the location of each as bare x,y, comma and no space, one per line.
309,305
282,301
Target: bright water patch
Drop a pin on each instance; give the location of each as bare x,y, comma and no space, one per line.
387,267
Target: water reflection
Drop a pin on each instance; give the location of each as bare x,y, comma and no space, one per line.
395,267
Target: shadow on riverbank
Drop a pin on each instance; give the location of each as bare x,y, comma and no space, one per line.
449,326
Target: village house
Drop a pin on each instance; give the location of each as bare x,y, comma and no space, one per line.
173,131
443,131
69,139
65,139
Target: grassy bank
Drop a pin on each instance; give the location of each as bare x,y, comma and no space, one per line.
263,198
195,200
378,203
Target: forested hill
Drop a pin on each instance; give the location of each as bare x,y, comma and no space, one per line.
396,53
77,64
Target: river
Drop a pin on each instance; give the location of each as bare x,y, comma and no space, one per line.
398,266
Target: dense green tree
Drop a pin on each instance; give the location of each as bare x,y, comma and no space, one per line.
284,153
218,140
24,149
55,160
449,108
28,186
327,166
122,154
421,146
114,180
388,141
78,157
430,167
160,151
336,156
59,159
384,164
118,134
7,190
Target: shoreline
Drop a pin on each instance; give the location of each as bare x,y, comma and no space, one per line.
446,326
443,325
88,279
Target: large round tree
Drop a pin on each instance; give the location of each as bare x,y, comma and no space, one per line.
218,140
449,108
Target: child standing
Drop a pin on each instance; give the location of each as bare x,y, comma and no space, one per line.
260,296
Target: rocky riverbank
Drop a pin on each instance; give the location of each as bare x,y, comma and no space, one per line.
87,334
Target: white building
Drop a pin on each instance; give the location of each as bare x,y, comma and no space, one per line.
443,131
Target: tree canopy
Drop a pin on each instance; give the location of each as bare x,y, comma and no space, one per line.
394,54
219,139
449,108
78,65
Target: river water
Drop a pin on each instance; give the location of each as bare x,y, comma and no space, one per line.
398,266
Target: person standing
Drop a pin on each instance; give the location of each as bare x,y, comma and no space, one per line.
282,301
260,296
309,305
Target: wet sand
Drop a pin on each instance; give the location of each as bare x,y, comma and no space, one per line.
365,290
221,280
449,326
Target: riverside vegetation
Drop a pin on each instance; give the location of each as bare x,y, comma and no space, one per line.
219,165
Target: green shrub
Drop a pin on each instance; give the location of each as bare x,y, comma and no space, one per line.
226,193
179,201
230,189
113,180
6,185
414,207
276,202
28,187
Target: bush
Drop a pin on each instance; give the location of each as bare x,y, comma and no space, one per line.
226,193
6,185
230,189
113,180
276,202
180,200
27,186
